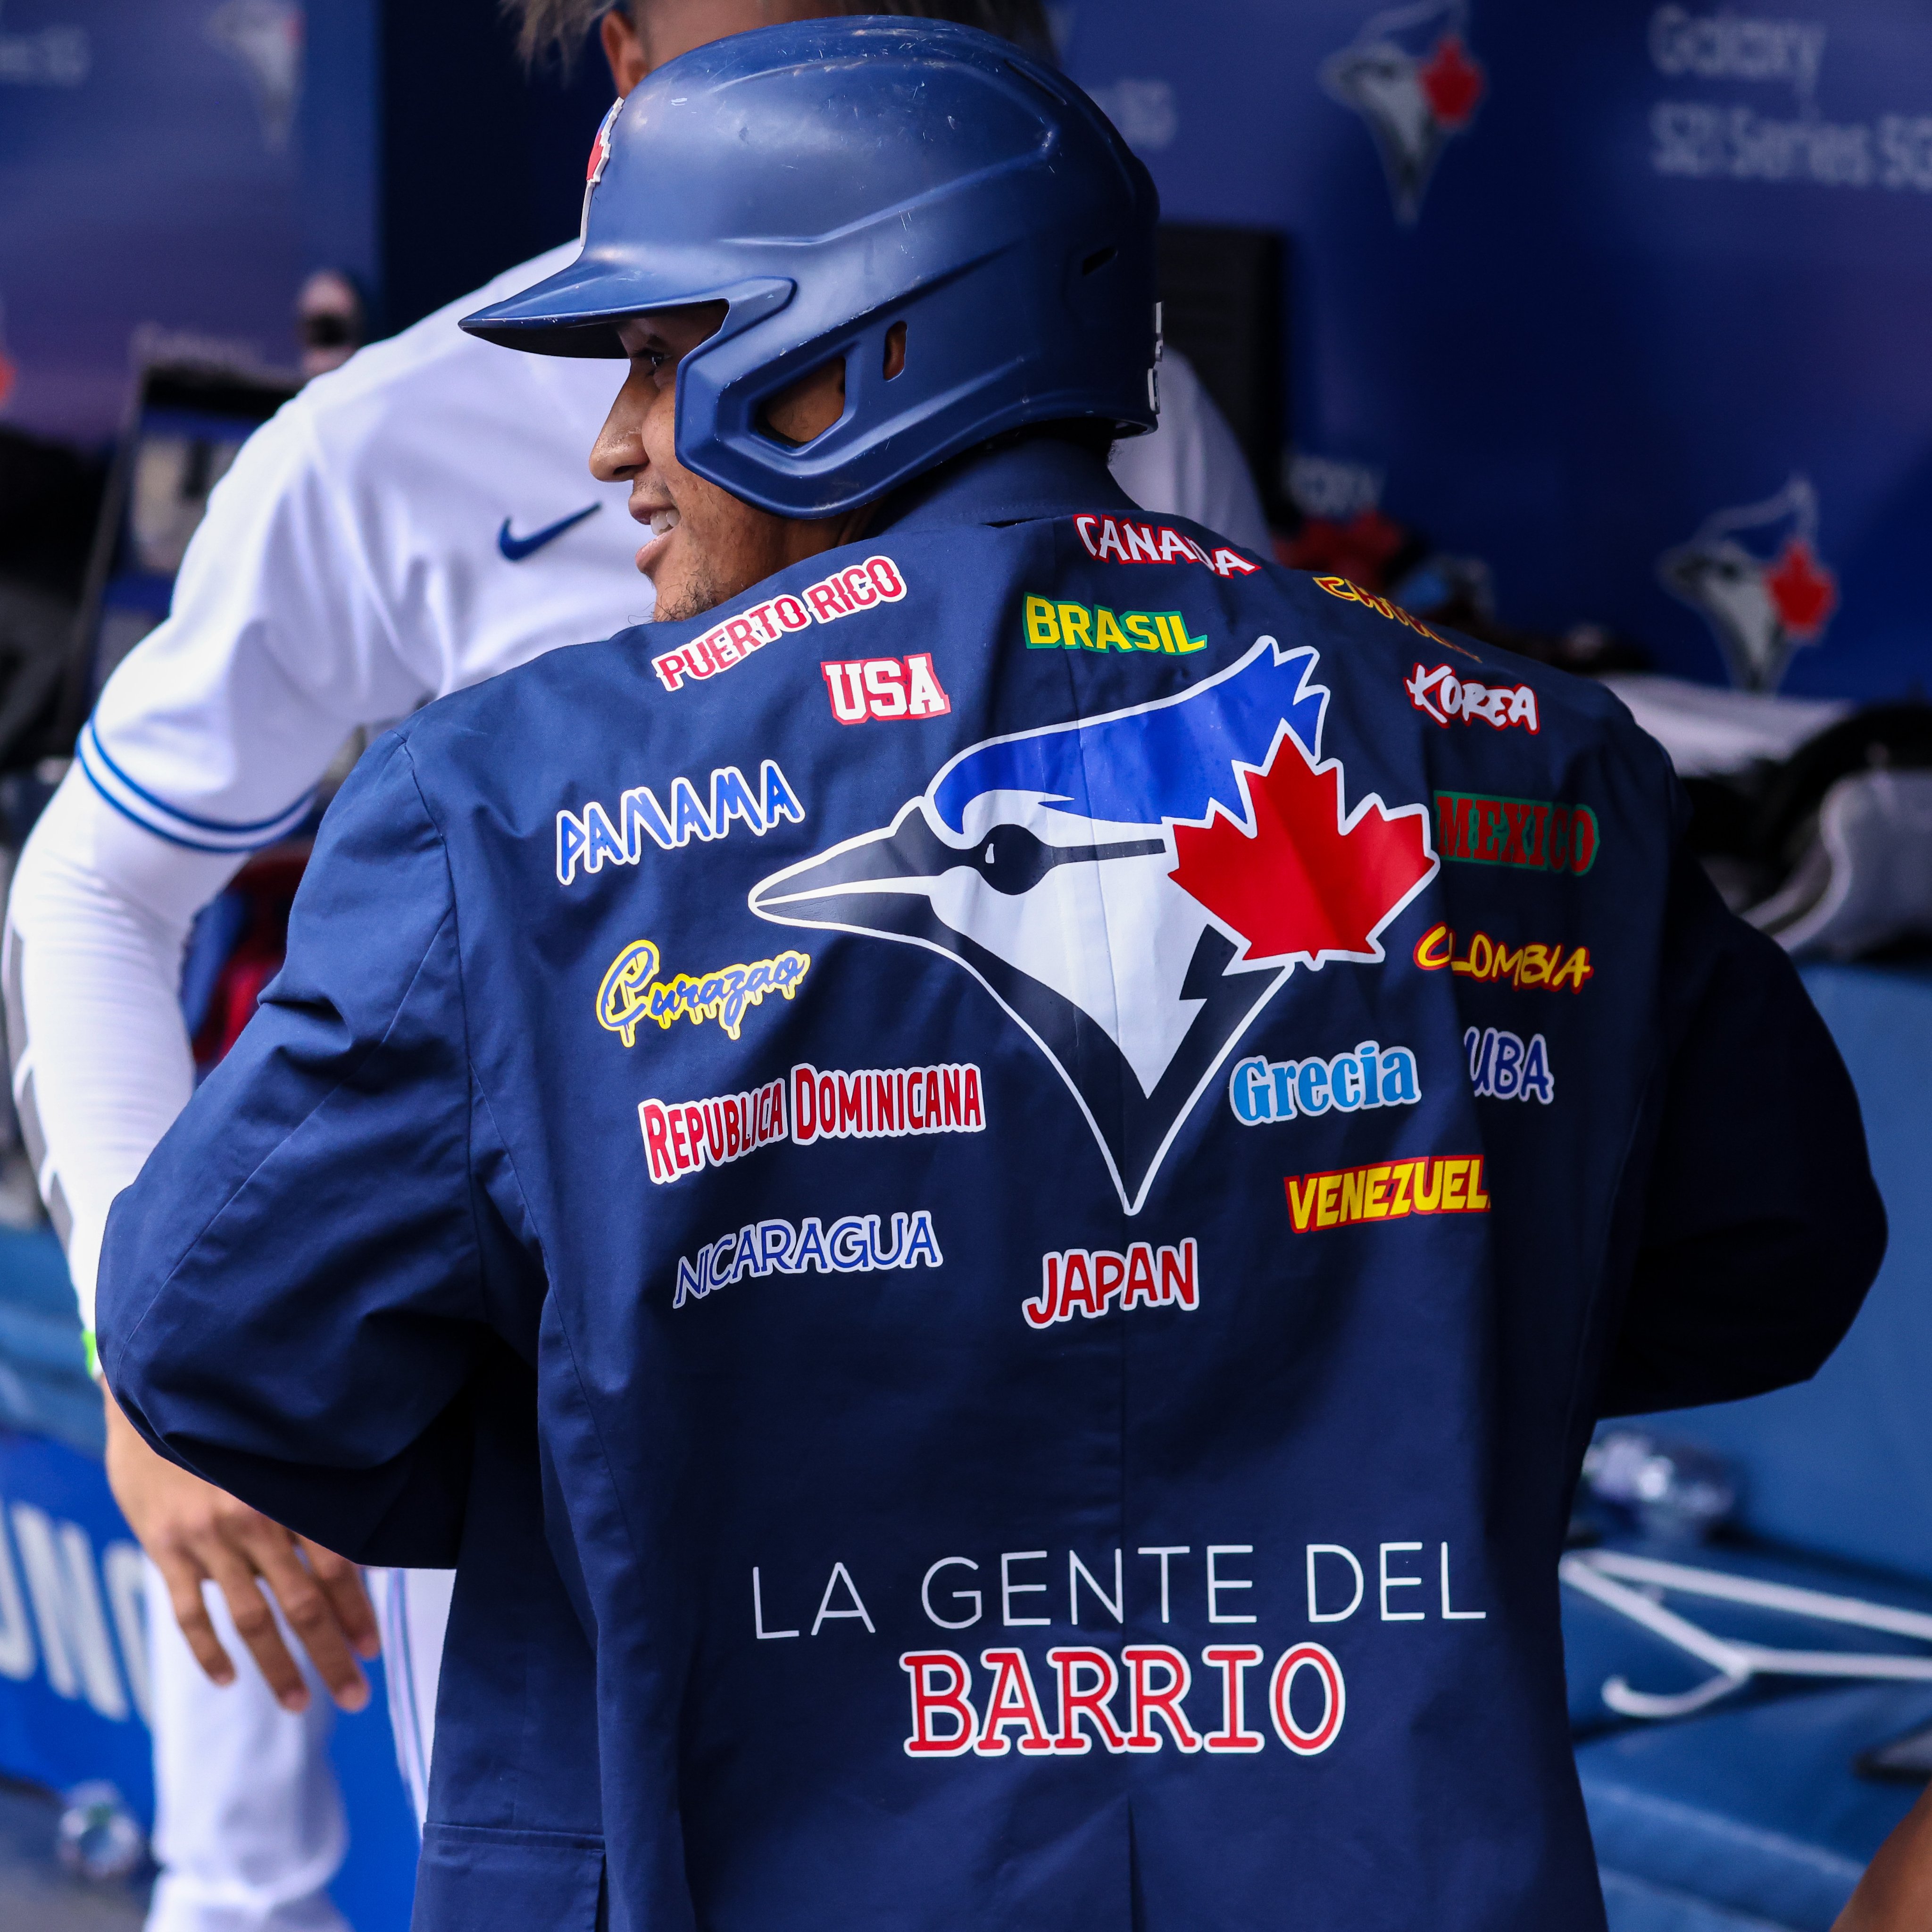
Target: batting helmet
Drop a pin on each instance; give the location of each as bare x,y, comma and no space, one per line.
828,179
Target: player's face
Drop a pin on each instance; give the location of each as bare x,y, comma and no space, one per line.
705,545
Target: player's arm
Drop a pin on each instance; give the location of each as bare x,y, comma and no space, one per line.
1759,1227
295,1291
96,923
99,914
206,744
1895,1895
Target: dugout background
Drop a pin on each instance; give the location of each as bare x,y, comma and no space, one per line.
1575,283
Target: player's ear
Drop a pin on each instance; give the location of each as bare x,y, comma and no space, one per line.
623,49
809,406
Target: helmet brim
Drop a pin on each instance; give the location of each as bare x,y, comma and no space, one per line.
576,311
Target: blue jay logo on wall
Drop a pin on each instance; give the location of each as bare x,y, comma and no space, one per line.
1134,889
265,37
1763,599
1408,73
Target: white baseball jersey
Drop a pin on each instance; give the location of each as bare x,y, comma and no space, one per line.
1192,465
415,522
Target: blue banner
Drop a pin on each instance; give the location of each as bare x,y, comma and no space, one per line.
73,1659
1626,300
148,180
74,1699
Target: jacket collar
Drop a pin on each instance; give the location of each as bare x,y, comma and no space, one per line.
1041,477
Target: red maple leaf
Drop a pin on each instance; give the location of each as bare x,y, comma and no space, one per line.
1303,883
1804,591
1452,81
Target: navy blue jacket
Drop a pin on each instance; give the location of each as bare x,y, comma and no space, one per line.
987,1198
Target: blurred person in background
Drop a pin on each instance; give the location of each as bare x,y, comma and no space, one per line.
414,524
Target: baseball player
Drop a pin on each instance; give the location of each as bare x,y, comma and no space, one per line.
985,1183
414,524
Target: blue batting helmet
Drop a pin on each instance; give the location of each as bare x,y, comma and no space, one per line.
828,179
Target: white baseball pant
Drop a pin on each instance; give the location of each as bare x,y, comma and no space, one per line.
249,1827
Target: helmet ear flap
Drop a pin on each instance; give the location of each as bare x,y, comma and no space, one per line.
867,362
1021,302
808,406
763,419
734,398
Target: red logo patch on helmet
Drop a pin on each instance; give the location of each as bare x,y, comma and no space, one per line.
600,149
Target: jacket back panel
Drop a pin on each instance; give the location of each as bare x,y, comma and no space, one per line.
1073,1106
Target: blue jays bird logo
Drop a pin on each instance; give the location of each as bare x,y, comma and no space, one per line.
1409,74
1134,889
1761,606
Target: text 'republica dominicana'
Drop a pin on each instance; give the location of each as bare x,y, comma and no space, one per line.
685,1137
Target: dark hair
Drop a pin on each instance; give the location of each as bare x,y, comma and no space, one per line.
1022,22
561,26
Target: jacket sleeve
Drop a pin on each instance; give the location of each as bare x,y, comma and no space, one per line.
1759,1227
296,1290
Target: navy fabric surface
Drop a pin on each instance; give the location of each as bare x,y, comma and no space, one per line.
1842,1465
795,1483
1754,1806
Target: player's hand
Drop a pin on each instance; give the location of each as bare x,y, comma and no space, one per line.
195,1531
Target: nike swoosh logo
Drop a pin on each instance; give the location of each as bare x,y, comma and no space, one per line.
517,548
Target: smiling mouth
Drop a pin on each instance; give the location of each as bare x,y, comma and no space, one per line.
663,524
